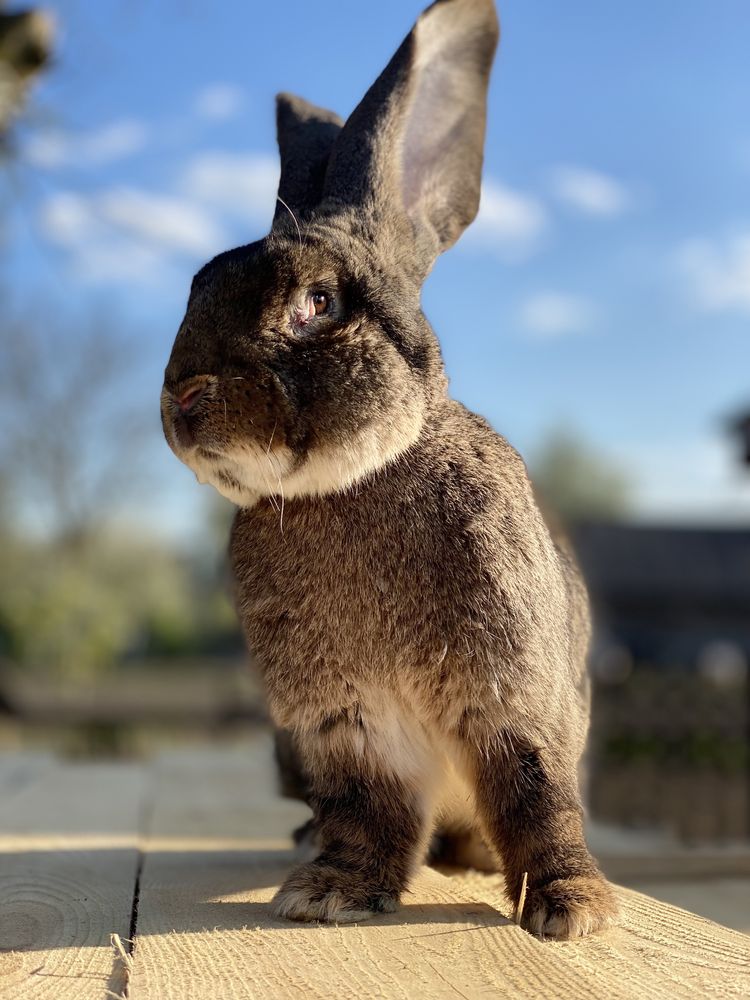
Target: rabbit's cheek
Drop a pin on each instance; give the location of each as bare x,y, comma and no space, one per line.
335,465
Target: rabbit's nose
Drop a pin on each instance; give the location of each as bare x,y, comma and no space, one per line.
187,399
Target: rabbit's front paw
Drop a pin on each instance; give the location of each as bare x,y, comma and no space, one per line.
569,907
324,892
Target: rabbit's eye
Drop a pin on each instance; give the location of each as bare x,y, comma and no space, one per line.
320,302
312,304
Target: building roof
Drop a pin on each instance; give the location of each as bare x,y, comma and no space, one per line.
706,565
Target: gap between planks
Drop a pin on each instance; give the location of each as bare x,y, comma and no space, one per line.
199,841
204,929
68,864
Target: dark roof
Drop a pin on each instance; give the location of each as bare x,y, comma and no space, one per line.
705,565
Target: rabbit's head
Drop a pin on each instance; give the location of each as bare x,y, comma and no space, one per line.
304,361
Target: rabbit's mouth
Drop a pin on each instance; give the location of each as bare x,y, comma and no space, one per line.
243,472
240,470
244,450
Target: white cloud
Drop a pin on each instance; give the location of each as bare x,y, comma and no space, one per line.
128,235
219,102
242,184
161,220
54,148
552,314
590,192
718,272
508,222
121,261
66,218
97,252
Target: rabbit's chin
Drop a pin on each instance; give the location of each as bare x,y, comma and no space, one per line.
243,472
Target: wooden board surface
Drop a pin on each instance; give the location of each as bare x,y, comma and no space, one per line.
68,861
204,928
656,950
214,846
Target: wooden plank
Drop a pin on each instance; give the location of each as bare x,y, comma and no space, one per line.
19,767
725,900
660,950
204,929
210,693
678,866
68,864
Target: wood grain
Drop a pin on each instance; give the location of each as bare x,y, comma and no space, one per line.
214,849
204,928
68,861
659,950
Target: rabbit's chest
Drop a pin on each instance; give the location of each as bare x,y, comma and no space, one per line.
335,604
319,589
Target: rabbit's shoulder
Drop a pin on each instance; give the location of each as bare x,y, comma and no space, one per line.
484,474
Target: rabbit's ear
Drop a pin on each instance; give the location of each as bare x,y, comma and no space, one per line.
414,145
305,135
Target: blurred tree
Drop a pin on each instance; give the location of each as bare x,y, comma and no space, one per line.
575,482
81,585
76,610
740,426
25,49
74,442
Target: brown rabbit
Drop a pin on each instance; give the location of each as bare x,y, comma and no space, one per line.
421,635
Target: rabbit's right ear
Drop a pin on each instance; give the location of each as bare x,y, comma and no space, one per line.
409,159
306,135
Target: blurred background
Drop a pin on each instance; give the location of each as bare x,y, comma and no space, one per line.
598,313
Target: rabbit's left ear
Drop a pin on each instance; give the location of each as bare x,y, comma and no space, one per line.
306,135
414,145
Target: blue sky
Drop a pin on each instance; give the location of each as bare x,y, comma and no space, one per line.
605,287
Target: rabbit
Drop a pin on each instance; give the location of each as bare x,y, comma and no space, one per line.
420,634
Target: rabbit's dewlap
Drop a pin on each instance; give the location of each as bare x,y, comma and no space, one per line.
421,635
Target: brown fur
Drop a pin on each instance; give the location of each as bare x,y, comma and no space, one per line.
422,636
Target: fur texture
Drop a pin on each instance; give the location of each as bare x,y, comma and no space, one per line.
422,636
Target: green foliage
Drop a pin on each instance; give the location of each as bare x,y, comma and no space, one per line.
576,482
75,608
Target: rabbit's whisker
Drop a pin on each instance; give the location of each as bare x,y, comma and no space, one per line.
276,468
272,498
294,218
